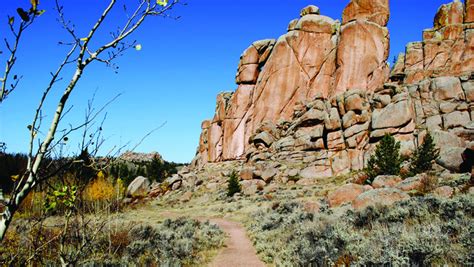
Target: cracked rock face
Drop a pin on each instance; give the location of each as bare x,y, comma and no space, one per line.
447,49
321,96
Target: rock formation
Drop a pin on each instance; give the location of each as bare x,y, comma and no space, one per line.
447,49
315,102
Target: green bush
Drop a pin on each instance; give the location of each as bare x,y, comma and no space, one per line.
233,185
422,159
386,160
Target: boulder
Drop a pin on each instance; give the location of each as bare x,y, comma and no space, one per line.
445,140
309,10
469,14
246,173
186,197
269,173
444,191
376,11
456,119
383,181
315,172
410,184
393,115
381,196
263,138
468,88
139,187
446,88
354,102
345,194
316,24
177,185
249,188
451,158
333,121
449,14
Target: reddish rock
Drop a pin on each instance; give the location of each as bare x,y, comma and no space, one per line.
447,88
376,11
186,197
246,173
235,128
449,14
301,65
383,181
309,10
410,184
214,142
376,197
320,72
345,194
393,115
361,56
444,191
469,14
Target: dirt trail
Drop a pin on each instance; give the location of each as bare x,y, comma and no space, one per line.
238,251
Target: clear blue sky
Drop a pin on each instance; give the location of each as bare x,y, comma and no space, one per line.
183,65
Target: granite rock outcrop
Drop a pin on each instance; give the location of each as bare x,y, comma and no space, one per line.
315,102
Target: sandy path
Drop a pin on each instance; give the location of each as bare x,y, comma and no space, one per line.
238,251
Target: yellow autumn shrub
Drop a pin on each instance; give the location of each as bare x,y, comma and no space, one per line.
100,189
102,192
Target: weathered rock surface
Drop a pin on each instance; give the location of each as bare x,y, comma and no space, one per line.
384,181
410,184
345,194
382,196
446,49
139,187
444,191
317,100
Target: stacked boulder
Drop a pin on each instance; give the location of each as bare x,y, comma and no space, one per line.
315,58
315,102
447,49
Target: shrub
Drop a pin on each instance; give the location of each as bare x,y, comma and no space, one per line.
421,231
102,192
233,185
422,159
180,242
386,160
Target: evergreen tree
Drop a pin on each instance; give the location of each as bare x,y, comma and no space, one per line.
422,159
386,160
233,184
155,170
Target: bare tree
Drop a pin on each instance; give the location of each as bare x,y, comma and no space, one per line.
80,55
27,19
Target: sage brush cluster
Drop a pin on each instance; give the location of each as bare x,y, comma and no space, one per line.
179,242
421,231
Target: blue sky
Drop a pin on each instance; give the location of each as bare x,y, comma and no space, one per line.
175,78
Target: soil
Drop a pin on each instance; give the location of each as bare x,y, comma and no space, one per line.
238,250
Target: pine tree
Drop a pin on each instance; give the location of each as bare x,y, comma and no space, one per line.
422,159
155,170
386,160
233,184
